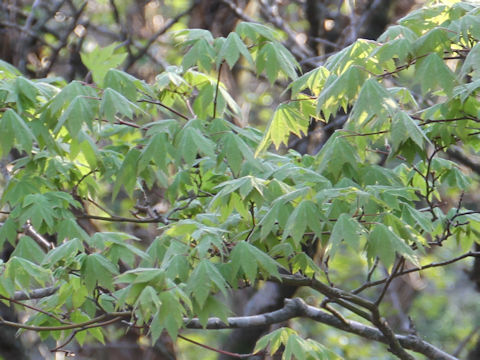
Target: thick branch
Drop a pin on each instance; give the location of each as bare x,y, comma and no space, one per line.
297,308
35,294
331,292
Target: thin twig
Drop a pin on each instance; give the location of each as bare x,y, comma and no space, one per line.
416,269
155,36
223,352
164,106
216,90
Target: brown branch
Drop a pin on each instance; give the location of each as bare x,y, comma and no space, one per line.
270,12
24,38
395,346
154,102
95,322
298,308
64,39
158,219
395,270
36,293
238,12
293,308
228,353
216,90
39,239
416,269
154,37
458,155
331,292
13,301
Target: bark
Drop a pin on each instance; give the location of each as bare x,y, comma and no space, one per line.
297,307
269,298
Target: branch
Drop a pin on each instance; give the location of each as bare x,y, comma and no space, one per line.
293,308
238,12
297,307
332,292
415,269
64,39
95,322
458,155
289,311
164,106
270,12
39,239
153,38
158,219
35,294
228,353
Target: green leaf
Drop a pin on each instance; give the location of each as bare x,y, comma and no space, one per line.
80,111
338,91
192,142
236,151
249,258
335,154
96,269
304,263
170,316
347,229
8,231
127,175
471,64
254,30
383,242
38,209
25,272
306,213
113,102
201,54
373,101
274,340
8,71
274,58
404,128
398,32
435,40
15,132
123,83
313,80
400,49
148,302
100,60
231,50
28,249
443,76
286,120
202,281
65,251
413,216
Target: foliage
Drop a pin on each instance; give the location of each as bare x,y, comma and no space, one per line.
381,191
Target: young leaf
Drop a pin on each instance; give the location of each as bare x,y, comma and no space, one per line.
100,60
231,50
287,119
